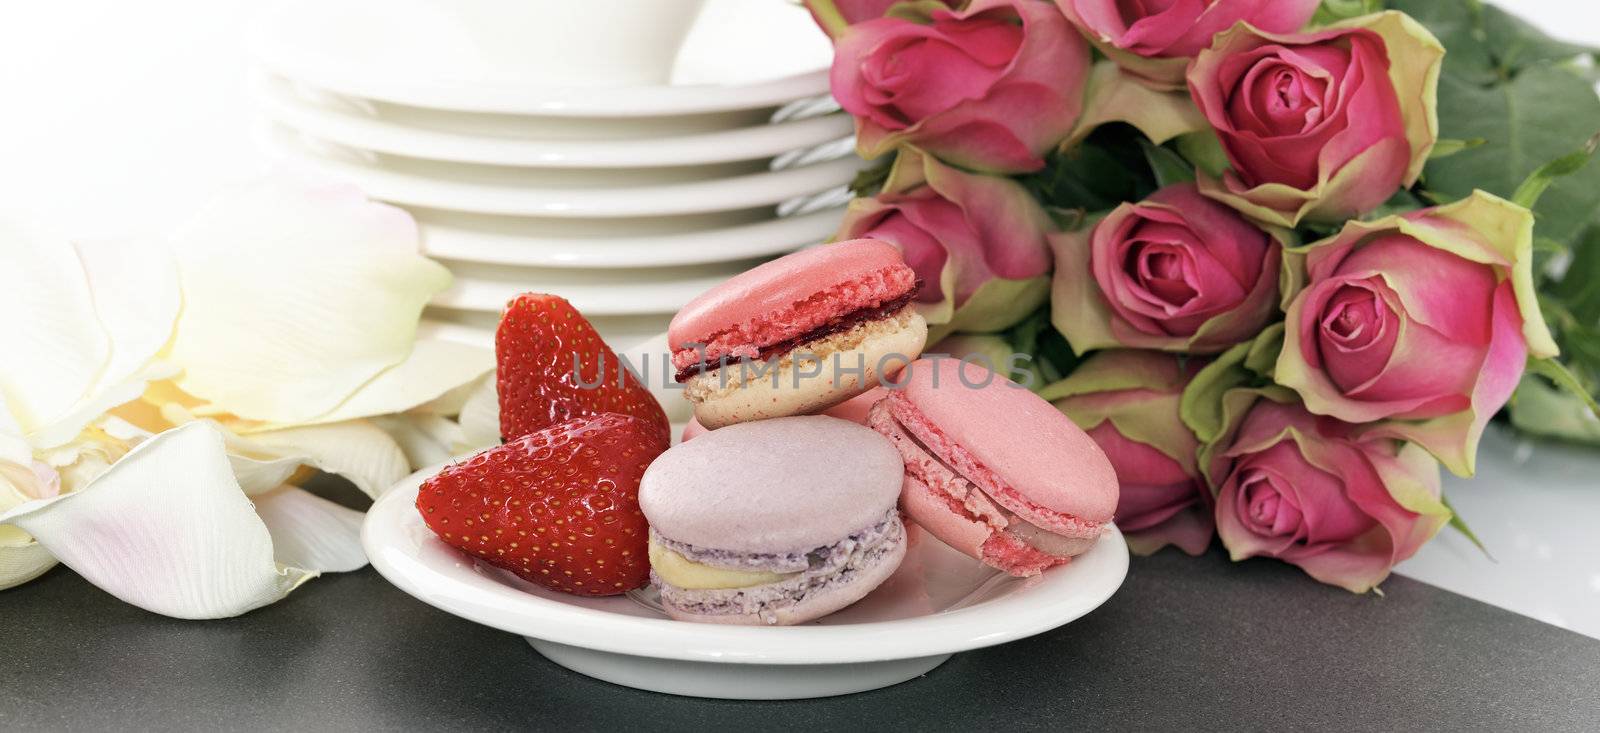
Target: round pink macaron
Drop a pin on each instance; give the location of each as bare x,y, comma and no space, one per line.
993,470
824,320
810,500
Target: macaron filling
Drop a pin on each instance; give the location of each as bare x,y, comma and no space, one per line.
704,385
946,469
799,575
874,296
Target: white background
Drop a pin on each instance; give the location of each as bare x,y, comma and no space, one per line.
117,118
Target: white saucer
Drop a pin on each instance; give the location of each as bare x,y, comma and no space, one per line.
608,292
397,52
938,603
365,129
645,242
557,192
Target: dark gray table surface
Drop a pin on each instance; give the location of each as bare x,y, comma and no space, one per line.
1186,643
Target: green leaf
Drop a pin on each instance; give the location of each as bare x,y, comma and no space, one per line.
1458,24
1460,525
1487,44
1563,377
1447,148
1527,194
1519,45
1108,168
1579,289
1541,115
1168,166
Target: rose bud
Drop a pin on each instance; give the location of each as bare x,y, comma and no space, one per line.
1423,322
978,243
1155,40
992,87
1322,126
1307,491
1128,403
1176,272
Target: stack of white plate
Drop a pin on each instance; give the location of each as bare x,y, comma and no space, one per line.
556,146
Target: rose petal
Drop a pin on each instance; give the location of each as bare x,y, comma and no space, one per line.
432,369
295,297
85,350
357,450
167,529
309,531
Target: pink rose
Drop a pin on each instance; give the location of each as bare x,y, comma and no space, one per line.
1128,403
1419,323
1305,490
1320,126
979,243
1154,39
992,87
1177,272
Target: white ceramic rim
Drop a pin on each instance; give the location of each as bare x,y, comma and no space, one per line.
366,133
1060,596
624,295
319,70
742,242
720,194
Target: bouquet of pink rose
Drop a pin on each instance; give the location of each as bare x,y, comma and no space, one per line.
1281,259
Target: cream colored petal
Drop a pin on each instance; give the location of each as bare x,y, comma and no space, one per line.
309,531
55,346
426,439
480,415
90,317
434,368
21,559
295,296
166,529
357,450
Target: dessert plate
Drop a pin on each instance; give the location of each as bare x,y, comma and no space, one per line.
412,53
608,292
645,242
563,192
938,603
368,129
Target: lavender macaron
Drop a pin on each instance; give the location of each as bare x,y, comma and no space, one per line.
772,522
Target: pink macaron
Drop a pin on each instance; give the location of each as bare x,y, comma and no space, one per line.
798,334
993,470
774,521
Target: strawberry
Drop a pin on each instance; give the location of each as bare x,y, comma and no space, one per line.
554,367
559,507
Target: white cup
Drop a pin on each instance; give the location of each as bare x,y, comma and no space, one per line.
566,43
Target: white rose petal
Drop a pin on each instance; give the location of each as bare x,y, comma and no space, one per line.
167,529
309,531
295,297
426,439
356,449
